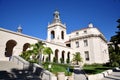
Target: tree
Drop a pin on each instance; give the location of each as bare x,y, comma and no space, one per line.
47,51
77,58
40,49
114,49
37,49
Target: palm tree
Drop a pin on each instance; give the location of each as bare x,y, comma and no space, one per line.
47,51
77,58
40,49
37,49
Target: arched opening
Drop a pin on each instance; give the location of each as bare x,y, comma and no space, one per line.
63,56
26,46
9,47
52,34
56,56
49,57
62,34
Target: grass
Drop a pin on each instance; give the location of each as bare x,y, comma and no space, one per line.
55,68
95,68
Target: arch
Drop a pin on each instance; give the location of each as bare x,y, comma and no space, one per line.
62,34
56,55
26,46
63,57
10,44
49,57
68,55
52,34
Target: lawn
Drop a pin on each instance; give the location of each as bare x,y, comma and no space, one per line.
95,68
55,68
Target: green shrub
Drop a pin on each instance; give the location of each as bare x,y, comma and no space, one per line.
67,60
95,68
47,59
55,60
61,60
115,64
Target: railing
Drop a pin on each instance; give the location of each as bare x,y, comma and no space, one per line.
32,68
20,61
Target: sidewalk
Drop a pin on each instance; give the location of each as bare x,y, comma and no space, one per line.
114,76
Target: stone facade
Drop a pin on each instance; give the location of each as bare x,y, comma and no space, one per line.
90,42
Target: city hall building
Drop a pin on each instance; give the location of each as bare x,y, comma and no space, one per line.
90,42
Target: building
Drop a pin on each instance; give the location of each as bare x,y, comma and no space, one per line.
90,42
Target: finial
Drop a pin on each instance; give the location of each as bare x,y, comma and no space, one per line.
90,25
19,29
56,16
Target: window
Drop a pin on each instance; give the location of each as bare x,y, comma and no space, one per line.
52,34
77,44
85,43
62,35
85,31
77,33
87,56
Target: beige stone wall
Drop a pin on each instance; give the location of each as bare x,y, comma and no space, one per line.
20,39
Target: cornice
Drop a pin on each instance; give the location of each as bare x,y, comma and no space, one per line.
88,36
56,24
57,44
19,34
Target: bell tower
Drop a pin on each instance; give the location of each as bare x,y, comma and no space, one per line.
56,30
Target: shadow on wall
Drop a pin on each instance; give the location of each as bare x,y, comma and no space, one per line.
26,74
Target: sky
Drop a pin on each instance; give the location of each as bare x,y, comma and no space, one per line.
34,15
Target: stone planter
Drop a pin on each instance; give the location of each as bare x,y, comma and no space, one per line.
61,76
70,78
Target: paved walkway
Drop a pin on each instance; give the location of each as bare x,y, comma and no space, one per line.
79,74
114,76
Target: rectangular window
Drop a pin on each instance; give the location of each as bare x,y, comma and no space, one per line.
77,44
87,56
85,43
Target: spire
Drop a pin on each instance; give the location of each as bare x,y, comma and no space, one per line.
19,29
56,17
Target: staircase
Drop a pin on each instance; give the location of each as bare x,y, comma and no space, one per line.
8,65
19,69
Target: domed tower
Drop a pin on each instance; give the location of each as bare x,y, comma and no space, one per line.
19,29
56,30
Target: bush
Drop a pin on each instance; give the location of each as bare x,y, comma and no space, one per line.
67,60
95,68
47,59
55,60
115,64
61,60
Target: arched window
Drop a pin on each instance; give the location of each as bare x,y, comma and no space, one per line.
52,34
9,47
63,52
62,34
26,46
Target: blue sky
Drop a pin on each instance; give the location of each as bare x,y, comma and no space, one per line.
34,15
